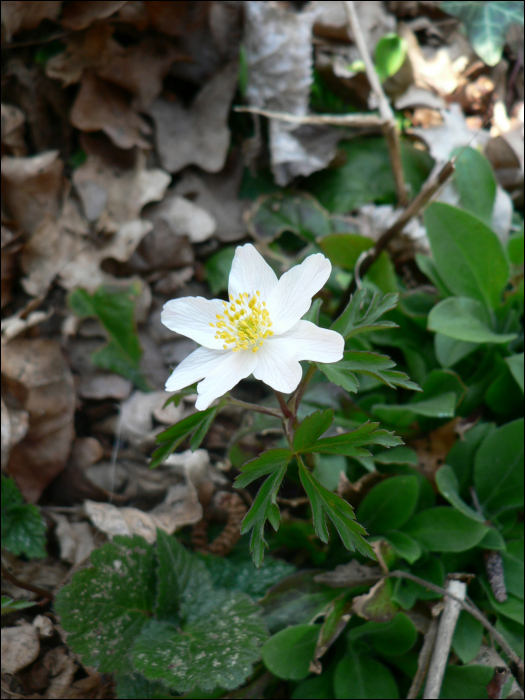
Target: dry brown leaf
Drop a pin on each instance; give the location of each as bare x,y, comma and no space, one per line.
79,14
136,415
350,575
75,540
103,385
101,106
376,605
21,16
32,188
20,647
13,326
11,245
433,449
177,18
15,424
36,374
13,129
332,20
198,135
181,217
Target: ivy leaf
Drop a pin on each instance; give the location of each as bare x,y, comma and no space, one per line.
312,427
196,425
350,444
325,503
267,463
370,363
115,310
23,529
105,607
355,320
264,508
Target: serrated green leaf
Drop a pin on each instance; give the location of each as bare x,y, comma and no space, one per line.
403,415
325,503
241,575
263,508
23,528
373,365
355,320
177,398
267,463
105,607
350,444
116,312
487,24
197,425
312,427
339,374
9,605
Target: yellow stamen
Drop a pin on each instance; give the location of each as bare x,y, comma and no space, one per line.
244,324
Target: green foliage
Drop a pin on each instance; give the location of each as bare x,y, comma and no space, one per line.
487,24
158,612
344,249
360,676
389,504
358,318
9,605
390,53
368,363
116,312
467,320
475,182
23,529
288,653
218,268
444,529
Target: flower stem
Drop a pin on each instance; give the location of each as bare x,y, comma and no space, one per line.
294,402
254,407
284,407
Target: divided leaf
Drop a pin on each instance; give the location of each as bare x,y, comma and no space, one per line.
312,427
23,529
370,363
350,444
266,463
355,320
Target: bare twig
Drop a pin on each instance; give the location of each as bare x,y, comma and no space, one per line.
355,120
424,659
447,625
26,586
385,111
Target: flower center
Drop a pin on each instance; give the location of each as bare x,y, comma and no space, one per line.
245,323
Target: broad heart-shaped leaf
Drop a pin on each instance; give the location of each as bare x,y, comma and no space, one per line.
267,463
197,425
23,529
325,503
289,652
465,682
216,648
475,182
115,310
344,249
467,253
444,529
355,320
350,444
312,427
448,485
359,675
370,363
465,319
498,469
105,607
468,636
263,508
393,638
487,24
389,504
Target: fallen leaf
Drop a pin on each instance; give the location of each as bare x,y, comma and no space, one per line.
350,575
183,218
79,14
177,18
14,326
75,540
198,135
22,16
103,385
15,424
332,20
377,604
36,372
136,415
20,647
11,245
433,449
13,120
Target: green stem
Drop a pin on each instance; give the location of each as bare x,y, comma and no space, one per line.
296,399
254,407
284,407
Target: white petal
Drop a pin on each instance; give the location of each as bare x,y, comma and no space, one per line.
191,316
314,343
196,366
234,367
250,273
277,365
292,296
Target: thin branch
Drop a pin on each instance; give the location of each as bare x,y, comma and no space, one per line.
282,403
254,407
26,586
447,625
355,120
470,608
423,660
385,111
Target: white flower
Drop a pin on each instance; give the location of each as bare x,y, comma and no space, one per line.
258,332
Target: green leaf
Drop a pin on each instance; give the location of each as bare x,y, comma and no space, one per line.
105,607
337,616
487,24
389,55
369,363
397,455
23,529
302,214
468,636
498,469
325,503
448,485
430,568
344,249
403,545
197,425
465,319
358,675
392,638
450,351
350,444
461,456
389,504
267,463
367,175
513,607
515,248
515,363
443,529
378,604
263,508
466,682
218,268
289,652
312,314
403,415
312,427
116,312
475,182
513,565
382,274
428,268
9,605
133,686
241,575
467,253
355,320
318,687
340,375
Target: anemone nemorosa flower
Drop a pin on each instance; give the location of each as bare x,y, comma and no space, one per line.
259,331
